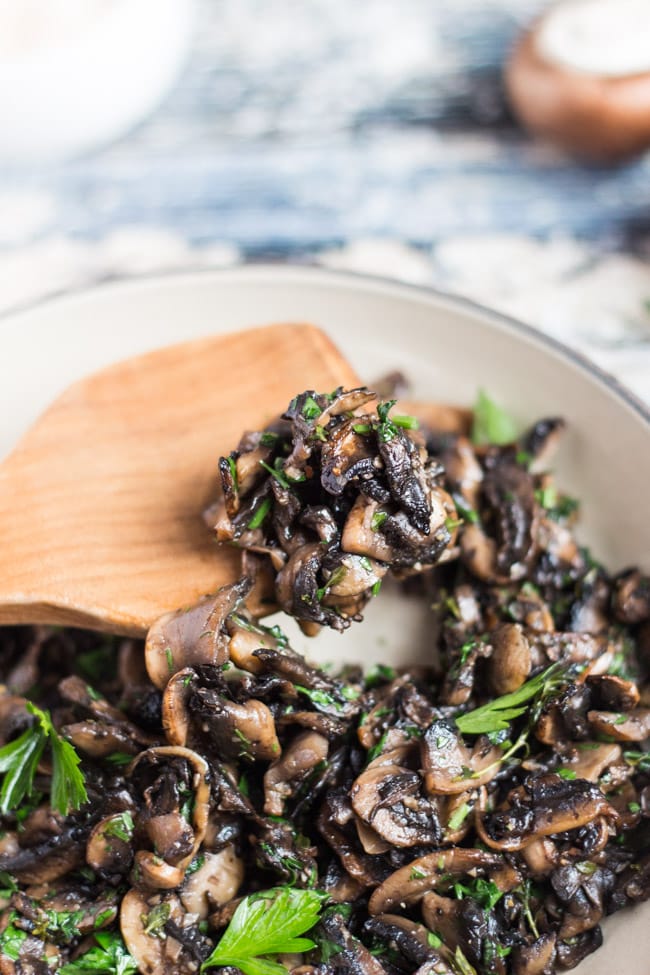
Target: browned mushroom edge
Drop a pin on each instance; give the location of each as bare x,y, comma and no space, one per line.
218,762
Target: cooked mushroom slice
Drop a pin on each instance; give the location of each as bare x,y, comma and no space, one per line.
349,576
109,850
571,953
444,915
633,726
90,913
45,862
508,490
361,534
298,587
246,729
175,706
371,842
412,940
540,856
510,662
14,716
143,922
542,440
193,636
215,882
406,475
387,796
413,548
171,836
631,600
246,636
479,554
464,473
346,456
583,893
535,959
352,956
409,884
591,762
305,753
613,693
449,766
152,872
546,804
200,806
334,825
100,739
570,648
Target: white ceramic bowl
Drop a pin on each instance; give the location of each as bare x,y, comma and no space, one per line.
448,348
79,89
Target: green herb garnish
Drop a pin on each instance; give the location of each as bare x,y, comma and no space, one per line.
496,715
269,923
458,816
260,514
120,826
108,957
19,760
378,520
491,424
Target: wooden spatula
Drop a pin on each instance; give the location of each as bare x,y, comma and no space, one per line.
101,501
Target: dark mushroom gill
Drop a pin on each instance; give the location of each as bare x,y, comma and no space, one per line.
481,815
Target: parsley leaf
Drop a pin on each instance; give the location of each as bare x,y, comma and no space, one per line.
491,423
496,715
268,923
108,957
19,760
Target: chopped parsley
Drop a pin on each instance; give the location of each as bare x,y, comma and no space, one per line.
491,424
108,957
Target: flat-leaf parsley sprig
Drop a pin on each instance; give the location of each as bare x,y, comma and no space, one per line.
19,760
496,715
269,923
493,719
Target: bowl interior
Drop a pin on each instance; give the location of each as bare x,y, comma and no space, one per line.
448,349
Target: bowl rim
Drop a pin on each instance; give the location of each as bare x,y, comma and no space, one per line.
306,270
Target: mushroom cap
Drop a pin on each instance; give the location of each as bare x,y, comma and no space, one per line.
591,116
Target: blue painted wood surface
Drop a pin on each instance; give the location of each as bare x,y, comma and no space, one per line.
297,125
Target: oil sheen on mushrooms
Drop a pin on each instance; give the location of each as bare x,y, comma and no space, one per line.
480,815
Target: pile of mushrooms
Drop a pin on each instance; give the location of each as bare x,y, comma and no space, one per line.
219,762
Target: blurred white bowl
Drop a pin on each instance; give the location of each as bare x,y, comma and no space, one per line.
76,75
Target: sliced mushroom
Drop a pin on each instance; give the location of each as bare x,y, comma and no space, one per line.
246,729
143,920
633,726
411,882
152,864
194,636
449,766
215,882
535,959
109,850
352,956
300,758
47,861
547,804
387,796
412,940
510,661
631,601
592,762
